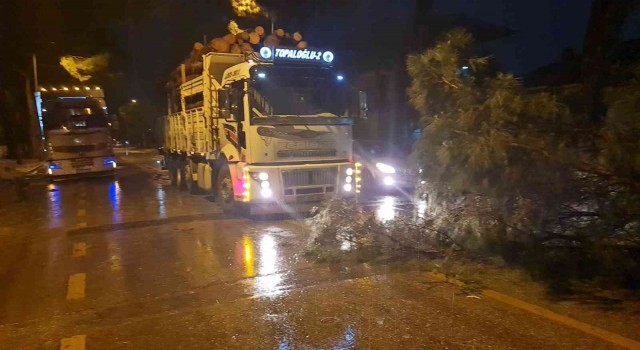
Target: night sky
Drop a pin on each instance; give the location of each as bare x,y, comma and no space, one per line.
541,29
148,38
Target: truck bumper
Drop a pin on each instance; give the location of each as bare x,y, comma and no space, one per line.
278,189
81,166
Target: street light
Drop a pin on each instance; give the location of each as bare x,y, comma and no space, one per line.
134,101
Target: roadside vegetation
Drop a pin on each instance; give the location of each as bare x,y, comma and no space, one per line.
528,176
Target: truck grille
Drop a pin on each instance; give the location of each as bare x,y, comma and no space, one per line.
311,177
307,153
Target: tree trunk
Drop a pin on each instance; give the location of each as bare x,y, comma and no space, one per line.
604,31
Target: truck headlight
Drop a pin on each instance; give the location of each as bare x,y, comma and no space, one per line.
385,168
263,176
347,187
266,192
388,180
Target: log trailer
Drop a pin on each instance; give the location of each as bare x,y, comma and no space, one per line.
267,131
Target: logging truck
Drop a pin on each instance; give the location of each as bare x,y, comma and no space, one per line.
268,130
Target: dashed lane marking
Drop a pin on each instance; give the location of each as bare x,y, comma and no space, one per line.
79,250
82,212
75,288
116,263
77,342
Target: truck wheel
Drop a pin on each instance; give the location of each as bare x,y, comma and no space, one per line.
180,175
191,185
171,166
224,190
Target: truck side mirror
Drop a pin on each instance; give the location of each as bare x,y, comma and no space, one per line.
224,103
363,104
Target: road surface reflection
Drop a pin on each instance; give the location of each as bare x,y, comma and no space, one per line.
346,342
54,205
115,195
266,280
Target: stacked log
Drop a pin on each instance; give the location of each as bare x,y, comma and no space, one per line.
246,41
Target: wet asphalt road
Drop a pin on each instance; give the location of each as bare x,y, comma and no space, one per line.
128,262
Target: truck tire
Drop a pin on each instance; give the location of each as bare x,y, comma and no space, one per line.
224,190
171,166
180,175
190,185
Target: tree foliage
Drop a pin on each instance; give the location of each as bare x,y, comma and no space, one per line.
519,166
244,8
135,122
83,68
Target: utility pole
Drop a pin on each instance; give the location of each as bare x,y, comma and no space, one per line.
35,136
35,73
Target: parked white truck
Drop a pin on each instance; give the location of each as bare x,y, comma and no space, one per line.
76,130
269,131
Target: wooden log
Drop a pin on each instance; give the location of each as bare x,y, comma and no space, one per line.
302,45
219,45
288,41
271,40
197,46
230,38
195,56
246,47
239,39
259,30
235,48
280,33
297,36
254,38
244,36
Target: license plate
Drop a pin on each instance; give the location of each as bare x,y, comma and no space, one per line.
311,197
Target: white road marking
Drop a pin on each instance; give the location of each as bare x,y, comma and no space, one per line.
79,250
77,342
76,286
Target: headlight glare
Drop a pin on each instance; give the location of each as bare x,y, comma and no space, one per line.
385,168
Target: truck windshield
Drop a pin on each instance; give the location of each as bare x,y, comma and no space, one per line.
293,94
74,113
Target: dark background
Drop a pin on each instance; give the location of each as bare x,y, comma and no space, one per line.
146,39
